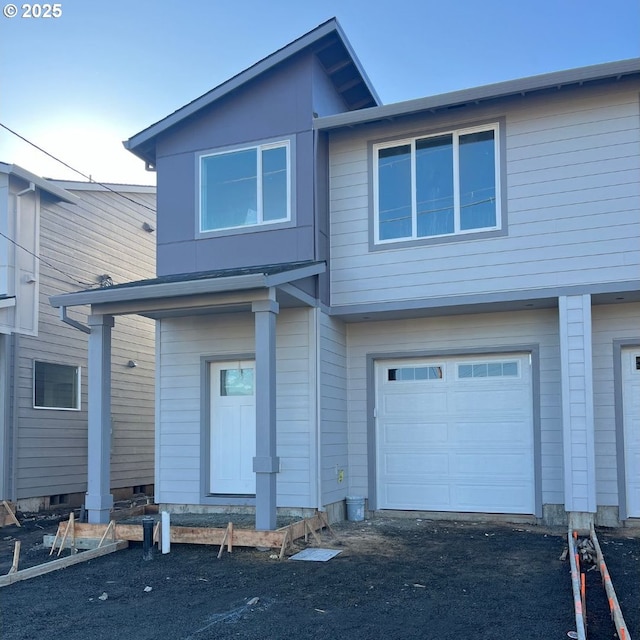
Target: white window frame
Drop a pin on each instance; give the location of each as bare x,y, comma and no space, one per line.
78,399
455,133
259,213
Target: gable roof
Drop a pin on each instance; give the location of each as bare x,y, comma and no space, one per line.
521,86
332,49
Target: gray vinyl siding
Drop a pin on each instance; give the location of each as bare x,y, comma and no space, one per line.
101,235
571,170
334,445
610,322
183,341
460,334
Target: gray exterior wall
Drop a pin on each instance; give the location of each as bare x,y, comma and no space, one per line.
571,171
334,443
101,235
276,106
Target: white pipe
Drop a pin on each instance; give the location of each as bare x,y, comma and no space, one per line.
166,532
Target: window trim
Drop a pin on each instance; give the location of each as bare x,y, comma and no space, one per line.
259,147
497,125
78,398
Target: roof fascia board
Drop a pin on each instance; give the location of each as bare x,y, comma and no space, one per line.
43,184
159,290
238,80
71,185
556,79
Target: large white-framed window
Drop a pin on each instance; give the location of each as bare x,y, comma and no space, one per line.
244,187
437,185
56,386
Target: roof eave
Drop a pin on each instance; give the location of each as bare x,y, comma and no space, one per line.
42,183
522,86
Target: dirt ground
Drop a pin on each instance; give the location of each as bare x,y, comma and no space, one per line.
394,578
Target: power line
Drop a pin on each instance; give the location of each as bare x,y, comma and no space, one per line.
122,195
66,275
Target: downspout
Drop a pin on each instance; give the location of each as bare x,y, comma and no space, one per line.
13,473
318,407
71,322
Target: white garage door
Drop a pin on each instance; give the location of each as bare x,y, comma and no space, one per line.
455,434
631,417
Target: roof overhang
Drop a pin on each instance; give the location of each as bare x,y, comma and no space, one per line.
58,193
191,293
551,81
325,35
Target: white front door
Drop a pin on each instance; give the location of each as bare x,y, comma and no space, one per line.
631,417
233,428
455,434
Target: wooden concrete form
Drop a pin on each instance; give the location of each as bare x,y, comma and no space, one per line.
8,514
61,563
87,535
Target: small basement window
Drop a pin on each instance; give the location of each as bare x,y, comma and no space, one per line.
403,374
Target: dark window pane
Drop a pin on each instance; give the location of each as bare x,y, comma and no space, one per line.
229,190
55,386
394,192
274,184
477,181
434,186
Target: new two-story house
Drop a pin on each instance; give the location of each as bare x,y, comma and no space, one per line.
433,304
59,237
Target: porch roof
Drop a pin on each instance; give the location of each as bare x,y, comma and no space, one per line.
192,290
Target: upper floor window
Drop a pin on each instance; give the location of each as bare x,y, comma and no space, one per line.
438,185
56,386
245,187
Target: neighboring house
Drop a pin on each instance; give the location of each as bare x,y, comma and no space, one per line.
433,304
59,237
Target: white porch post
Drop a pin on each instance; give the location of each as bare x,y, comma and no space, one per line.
266,464
577,409
99,500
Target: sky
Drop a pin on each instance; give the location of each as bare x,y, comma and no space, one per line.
79,84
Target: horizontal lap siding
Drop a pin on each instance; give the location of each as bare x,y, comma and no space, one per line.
460,333
333,415
572,167
101,235
183,341
609,322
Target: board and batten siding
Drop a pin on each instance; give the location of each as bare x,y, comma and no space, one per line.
182,344
101,235
609,323
333,409
452,334
572,166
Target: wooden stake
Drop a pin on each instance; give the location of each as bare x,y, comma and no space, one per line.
16,557
284,543
55,540
70,523
311,530
12,516
110,528
228,534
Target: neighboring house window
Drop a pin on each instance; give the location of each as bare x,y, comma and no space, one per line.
438,185
56,386
245,187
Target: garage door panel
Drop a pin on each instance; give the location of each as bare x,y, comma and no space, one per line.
398,402
421,464
499,465
410,496
504,498
507,432
418,433
493,401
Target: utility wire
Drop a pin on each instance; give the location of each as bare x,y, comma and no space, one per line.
122,195
17,244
